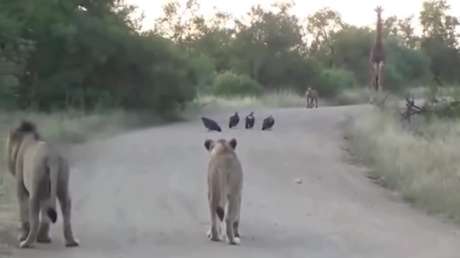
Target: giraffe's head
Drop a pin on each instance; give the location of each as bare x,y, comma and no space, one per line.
379,10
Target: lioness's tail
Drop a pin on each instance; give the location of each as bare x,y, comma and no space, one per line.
53,166
220,213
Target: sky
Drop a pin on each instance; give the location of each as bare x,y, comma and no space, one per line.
355,12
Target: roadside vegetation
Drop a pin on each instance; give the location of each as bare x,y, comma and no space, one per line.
92,55
277,99
420,160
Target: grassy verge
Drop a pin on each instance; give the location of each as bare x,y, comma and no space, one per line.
421,162
279,99
352,97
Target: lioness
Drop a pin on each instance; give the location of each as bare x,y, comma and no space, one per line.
41,176
312,97
225,182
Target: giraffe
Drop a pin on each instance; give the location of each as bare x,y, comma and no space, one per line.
377,56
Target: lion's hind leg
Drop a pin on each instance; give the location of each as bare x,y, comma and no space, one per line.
44,227
34,212
66,207
23,199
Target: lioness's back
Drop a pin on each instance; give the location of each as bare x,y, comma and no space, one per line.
227,171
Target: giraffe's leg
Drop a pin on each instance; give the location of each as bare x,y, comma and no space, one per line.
373,82
380,76
371,78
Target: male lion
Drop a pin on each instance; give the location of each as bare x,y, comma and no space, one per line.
312,97
225,182
41,176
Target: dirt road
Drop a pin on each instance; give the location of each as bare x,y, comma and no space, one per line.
143,194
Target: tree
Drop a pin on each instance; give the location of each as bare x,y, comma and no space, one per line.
85,53
437,23
352,45
390,26
267,47
405,67
180,23
14,52
321,26
439,40
407,32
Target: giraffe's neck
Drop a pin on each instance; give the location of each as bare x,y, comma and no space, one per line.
377,54
378,40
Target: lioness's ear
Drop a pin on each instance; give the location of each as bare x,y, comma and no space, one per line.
209,144
232,143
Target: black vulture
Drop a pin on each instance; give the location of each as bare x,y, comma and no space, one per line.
234,120
210,124
268,123
250,120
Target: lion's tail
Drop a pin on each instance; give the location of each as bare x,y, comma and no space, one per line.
53,174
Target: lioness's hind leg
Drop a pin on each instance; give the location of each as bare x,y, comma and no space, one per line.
66,207
229,231
213,234
231,219
236,229
44,228
236,224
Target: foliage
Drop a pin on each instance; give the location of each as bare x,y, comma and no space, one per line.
269,48
85,54
437,23
91,54
334,81
440,40
352,47
231,84
322,26
405,67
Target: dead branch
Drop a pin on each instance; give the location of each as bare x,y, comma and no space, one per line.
411,109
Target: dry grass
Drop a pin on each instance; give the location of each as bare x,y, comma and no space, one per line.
351,97
277,99
423,166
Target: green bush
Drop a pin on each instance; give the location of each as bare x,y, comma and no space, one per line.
405,67
231,84
333,81
205,71
59,56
